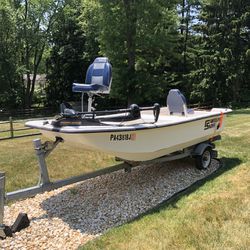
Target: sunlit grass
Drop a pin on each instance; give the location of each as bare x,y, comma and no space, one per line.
18,160
215,215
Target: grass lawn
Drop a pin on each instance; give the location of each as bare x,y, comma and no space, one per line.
214,215
18,160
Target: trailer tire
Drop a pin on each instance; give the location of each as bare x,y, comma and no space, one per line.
203,161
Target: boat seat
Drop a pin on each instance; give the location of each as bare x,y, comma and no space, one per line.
98,78
177,104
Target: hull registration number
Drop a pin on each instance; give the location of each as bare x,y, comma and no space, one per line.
123,137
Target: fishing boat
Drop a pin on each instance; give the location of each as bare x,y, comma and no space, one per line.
136,133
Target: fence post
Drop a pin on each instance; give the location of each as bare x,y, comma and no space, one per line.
11,127
2,200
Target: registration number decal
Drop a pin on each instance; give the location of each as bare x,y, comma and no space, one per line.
123,137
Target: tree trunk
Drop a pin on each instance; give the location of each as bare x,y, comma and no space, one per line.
131,16
185,20
182,15
26,59
34,49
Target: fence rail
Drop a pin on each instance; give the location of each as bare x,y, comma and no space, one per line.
11,130
33,112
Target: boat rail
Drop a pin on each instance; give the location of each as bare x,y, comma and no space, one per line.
133,112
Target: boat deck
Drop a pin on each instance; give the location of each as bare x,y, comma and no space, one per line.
146,121
147,117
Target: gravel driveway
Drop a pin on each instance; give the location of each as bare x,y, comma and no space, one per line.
70,216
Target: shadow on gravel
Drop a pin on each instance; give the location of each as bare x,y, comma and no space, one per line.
99,204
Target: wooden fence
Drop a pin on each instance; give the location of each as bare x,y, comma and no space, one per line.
10,128
10,132
26,113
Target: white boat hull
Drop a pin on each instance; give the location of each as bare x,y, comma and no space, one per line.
142,142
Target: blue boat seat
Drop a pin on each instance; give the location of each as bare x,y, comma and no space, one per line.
98,78
177,104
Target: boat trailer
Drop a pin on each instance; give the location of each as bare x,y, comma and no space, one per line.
203,152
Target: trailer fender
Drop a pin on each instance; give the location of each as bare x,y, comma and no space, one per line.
200,148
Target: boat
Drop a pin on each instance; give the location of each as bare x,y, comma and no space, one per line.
134,134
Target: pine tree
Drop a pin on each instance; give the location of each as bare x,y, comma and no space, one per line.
222,63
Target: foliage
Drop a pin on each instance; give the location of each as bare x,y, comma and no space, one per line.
221,66
188,11
199,46
34,20
139,37
67,60
9,68
25,28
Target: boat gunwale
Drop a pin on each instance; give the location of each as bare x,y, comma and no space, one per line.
126,128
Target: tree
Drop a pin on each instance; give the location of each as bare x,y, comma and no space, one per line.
187,43
140,38
10,90
189,10
34,19
68,59
222,63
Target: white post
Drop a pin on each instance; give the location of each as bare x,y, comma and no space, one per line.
82,101
90,100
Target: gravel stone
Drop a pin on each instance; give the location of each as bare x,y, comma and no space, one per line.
72,215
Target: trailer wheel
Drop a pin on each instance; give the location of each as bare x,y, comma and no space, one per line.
203,161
